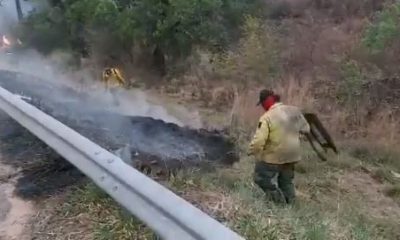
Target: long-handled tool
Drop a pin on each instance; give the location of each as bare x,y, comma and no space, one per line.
319,134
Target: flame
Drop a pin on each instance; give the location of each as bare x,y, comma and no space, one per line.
6,41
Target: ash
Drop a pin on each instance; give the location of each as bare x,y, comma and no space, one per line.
146,140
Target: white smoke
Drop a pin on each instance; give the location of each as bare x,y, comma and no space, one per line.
56,68
8,13
134,102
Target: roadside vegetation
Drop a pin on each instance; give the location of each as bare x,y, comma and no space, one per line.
344,198
337,58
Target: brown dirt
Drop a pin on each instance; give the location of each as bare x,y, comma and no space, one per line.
371,192
15,213
14,225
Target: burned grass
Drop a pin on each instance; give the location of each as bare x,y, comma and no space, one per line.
41,171
68,206
166,144
330,204
338,199
154,144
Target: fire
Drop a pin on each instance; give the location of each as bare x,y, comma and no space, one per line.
6,41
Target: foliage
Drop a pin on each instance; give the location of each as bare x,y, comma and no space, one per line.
352,81
44,30
387,27
255,58
381,42
174,27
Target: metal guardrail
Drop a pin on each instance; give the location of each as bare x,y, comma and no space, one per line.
170,216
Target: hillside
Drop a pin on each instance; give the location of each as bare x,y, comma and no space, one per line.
336,58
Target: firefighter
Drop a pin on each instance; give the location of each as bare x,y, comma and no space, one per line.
276,147
113,80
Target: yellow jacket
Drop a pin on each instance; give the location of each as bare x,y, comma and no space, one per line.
113,78
277,138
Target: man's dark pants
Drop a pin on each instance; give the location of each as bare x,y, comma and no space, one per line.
276,180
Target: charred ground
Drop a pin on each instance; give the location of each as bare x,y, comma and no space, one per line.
155,146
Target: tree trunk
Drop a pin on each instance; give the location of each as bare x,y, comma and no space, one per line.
159,61
19,9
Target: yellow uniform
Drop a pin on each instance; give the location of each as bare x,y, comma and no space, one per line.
277,138
113,78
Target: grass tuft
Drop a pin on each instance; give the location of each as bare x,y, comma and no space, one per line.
108,219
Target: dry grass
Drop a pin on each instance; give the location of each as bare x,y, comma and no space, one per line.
86,212
296,92
52,223
384,128
322,211
244,114
106,219
304,68
336,197
393,191
380,128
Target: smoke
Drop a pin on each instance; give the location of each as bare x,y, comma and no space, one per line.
57,68
8,13
43,80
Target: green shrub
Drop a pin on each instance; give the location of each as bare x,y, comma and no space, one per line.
169,29
386,28
255,58
350,88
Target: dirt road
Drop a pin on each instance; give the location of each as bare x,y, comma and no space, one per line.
15,213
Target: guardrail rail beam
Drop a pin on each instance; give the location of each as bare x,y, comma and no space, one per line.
170,216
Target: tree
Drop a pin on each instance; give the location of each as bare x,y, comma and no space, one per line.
166,30
19,9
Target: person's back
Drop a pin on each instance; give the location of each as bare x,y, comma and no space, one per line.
276,146
285,123
113,77
113,80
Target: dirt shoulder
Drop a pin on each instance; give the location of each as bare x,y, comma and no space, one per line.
15,213
30,174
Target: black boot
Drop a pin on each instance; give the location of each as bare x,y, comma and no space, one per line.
277,197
